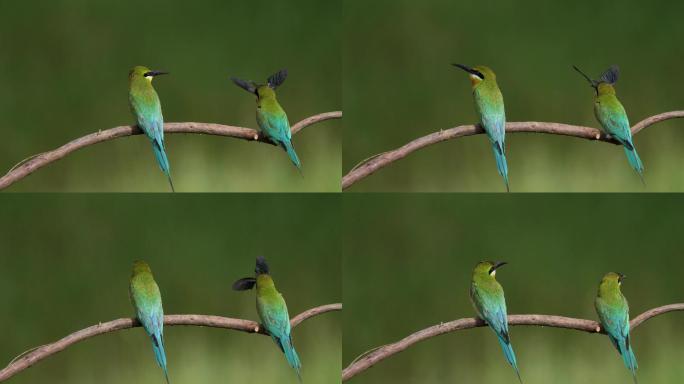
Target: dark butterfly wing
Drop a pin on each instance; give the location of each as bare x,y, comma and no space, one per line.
248,86
244,284
277,78
611,74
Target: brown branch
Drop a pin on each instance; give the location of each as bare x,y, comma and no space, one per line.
38,161
382,160
368,360
27,360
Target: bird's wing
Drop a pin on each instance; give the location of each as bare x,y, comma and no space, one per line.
275,125
147,110
492,307
492,116
152,318
274,316
614,320
148,305
613,117
154,127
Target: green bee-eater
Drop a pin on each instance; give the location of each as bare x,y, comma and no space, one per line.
271,117
147,302
272,311
488,299
613,313
490,106
611,114
145,105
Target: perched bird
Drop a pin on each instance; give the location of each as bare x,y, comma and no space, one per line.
611,114
487,297
613,312
147,302
490,106
272,311
270,116
146,107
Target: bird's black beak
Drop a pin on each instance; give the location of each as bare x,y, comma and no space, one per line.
466,68
593,83
621,277
156,73
498,264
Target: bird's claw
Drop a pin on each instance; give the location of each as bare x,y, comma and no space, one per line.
256,328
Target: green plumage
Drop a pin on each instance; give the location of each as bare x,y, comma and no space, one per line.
146,108
613,312
612,116
489,302
147,302
489,105
272,311
271,117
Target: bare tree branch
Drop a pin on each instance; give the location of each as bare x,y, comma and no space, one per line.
382,160
27,360
376,355
36,162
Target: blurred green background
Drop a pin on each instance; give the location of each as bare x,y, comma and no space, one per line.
399,85
65,268
64,74
408,262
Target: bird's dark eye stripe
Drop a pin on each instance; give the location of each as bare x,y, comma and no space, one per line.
491,269
148,74
479,74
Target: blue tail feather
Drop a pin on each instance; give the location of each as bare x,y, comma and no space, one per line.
628,357
162,160
160,354
501,165
291,355
287,145
634,160
510,355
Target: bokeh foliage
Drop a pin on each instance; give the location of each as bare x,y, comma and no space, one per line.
63,74
399,85
408,263
67,260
